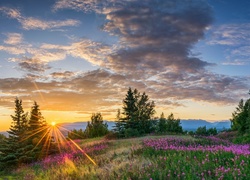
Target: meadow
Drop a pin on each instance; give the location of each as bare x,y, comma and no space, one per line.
150,157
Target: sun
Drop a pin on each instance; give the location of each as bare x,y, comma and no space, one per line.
53,123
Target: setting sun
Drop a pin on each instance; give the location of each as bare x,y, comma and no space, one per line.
53,123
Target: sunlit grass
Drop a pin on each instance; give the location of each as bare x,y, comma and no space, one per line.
131,159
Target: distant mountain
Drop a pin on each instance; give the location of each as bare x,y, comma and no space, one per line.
193,124
188,125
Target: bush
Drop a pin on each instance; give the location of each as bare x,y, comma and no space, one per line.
131,133
76,134
111,135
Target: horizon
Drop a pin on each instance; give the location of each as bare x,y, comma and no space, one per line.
4,131
80,57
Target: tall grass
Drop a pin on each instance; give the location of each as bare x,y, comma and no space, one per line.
153,157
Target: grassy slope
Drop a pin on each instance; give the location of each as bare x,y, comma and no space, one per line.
128,159
116,157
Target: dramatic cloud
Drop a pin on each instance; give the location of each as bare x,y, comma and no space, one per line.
152,39
29,23
101,90
152,54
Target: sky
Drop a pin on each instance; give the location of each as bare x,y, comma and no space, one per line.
78,57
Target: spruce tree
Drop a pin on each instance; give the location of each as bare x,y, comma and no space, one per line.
173,125
130,109
241,117
38,133
119,125
16,150
137,113
161,128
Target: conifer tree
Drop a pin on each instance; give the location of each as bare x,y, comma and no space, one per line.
162,124
173,125
119,124
38,132
137,113
15,150
130,109
241,117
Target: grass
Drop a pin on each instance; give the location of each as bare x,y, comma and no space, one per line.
150,157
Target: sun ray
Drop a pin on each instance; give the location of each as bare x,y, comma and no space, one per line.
45,133
37,88
69,131
78,147
35,132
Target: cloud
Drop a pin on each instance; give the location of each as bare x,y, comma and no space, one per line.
231,35
63,75
154,35
33,23
30,23
101,90
236,39
13,50
13,38
33,65
93,52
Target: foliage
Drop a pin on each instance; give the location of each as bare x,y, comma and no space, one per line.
203,131
38,133
15,149
162,125
241,121
2,137
137,113
119,127
173,125
227,135
96,127
28,140
76,134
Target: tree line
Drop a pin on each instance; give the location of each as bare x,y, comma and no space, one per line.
135,119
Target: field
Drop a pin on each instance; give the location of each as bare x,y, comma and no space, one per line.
150,157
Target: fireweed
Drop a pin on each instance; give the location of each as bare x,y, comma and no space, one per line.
205,158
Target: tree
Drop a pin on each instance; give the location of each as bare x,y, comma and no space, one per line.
2,137
96,127
119,125
240,121
38,133
161,128
173,125
137,112
130,109
212,131
241,117
15,150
